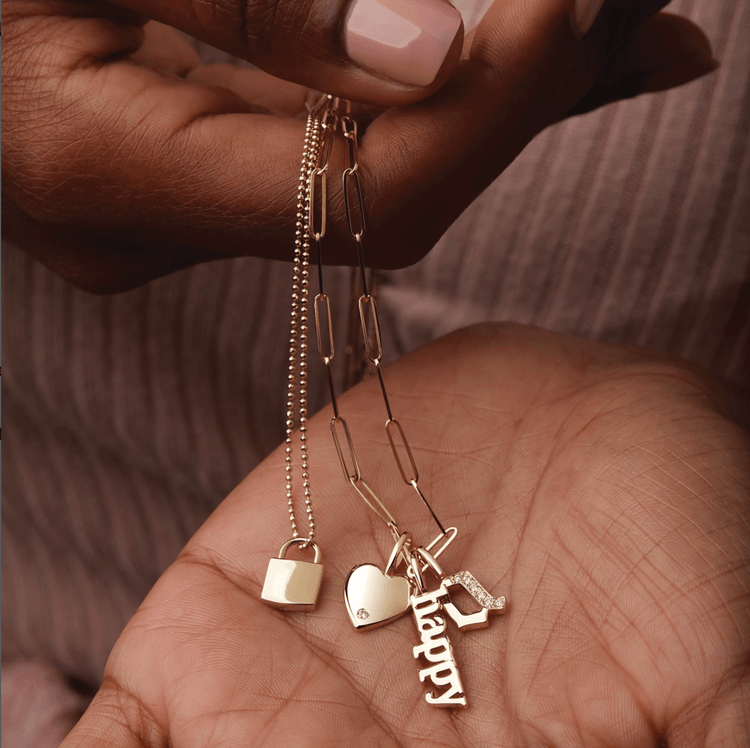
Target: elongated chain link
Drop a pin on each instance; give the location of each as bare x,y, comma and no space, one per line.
298,332
368,314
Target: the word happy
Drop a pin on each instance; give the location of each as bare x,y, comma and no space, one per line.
436,649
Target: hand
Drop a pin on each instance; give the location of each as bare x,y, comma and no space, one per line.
125,158
602,489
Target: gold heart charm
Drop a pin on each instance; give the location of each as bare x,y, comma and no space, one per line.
374,599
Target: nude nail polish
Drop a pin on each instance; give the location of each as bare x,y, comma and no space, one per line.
404,41
585,14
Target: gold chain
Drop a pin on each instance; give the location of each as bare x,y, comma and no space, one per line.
298,332
294,585
330,121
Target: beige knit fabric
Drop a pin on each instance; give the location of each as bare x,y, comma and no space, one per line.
128,418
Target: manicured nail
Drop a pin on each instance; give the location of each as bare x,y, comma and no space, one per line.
585,14
406,41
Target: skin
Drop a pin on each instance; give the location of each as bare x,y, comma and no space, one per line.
604,490
610,503
126,158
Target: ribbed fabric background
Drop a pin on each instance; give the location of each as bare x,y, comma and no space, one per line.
128,418
631,225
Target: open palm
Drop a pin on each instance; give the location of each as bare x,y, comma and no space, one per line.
601,489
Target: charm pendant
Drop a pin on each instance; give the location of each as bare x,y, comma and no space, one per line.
374,598
429,609
436,649
480,619
290,584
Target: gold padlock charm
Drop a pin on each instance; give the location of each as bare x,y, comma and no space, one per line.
290,584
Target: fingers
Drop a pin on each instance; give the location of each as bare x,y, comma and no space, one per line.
667,51
610,28
380,51
124,159
525,70
258,89
121,717
165,50
671,51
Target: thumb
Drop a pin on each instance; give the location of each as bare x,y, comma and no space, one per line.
380,51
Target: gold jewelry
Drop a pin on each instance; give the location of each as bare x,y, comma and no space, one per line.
294,584
373,597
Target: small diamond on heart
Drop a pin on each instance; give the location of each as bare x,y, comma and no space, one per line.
362,613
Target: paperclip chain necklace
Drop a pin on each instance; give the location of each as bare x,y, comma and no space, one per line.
368,314
373,597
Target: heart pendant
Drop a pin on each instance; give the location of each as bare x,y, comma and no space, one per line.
373,599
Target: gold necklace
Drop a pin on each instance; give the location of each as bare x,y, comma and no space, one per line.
375,597
292,584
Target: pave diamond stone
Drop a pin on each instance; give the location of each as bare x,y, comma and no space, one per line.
466,579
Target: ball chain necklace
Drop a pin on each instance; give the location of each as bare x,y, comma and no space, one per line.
412,578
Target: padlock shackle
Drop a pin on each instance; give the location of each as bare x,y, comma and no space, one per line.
305,543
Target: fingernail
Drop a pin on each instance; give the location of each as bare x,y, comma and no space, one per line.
404,40
585,14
